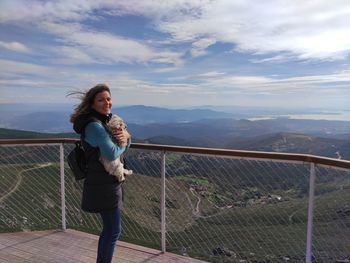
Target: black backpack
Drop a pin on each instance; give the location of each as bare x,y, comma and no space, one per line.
77,158
77,161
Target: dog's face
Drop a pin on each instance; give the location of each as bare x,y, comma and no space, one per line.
116,123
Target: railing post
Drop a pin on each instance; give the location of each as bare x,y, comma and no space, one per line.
63,191
162,205
310,213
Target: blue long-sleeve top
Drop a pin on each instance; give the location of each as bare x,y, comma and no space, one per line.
97,136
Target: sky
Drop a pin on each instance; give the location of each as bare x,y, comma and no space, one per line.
280,53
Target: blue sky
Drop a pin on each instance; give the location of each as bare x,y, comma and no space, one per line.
292,54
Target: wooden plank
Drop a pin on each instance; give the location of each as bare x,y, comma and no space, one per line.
73,246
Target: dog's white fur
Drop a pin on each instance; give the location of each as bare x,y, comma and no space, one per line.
116,167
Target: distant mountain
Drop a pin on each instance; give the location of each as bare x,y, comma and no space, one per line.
313,127
280,142
296,143
218,131
40,122
204,133
43,120
19,134
167,140
140,114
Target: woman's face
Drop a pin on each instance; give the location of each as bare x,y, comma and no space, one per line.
103,103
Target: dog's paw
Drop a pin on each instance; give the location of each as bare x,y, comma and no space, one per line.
128,172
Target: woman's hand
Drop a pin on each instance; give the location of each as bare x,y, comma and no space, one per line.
121,135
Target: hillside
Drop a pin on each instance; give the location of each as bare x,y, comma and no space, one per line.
224,133
19,134
277,142
296,143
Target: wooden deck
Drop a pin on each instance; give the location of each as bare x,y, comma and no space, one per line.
74,246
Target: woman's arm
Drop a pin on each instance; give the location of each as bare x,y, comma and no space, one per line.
97,136
123,136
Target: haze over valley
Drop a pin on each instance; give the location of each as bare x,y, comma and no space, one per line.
230,128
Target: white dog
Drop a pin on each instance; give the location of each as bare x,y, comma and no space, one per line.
116,167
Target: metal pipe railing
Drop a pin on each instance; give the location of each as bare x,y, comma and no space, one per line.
163,205
276,156
63,191
310,213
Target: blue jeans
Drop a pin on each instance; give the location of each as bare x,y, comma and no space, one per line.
110,233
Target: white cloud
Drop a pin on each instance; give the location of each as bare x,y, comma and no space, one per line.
220,82
63,19
70,55
89,46
309,30
210,75
11,66
306,29
274,59
269,31
165,70
15,46
213,82
199,47
33,11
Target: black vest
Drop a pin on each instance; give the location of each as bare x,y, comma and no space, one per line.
102,191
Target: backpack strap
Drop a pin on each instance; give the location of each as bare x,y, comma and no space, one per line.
88,151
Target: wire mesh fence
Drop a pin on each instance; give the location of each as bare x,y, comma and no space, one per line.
331,221
237,209
29,188
218,208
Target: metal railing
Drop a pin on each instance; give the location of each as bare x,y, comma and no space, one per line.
212,204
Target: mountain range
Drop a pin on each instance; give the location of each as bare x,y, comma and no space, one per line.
149,121
56,119
193,127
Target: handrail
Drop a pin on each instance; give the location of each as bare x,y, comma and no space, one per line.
37,141
208,151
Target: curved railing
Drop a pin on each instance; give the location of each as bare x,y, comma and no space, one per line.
307,158
207,203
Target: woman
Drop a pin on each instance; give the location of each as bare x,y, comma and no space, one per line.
102,193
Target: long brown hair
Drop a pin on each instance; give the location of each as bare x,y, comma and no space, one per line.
87,99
